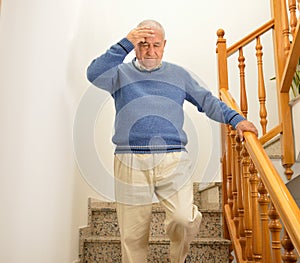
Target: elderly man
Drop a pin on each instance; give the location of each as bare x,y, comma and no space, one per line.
150,155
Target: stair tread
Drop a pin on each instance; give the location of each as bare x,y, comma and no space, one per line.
205,240
97,205
100,239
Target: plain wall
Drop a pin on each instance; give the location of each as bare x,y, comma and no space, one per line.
45,49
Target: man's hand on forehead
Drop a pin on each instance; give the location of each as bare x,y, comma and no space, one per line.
139,34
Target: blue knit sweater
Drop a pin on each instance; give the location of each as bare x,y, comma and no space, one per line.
149,104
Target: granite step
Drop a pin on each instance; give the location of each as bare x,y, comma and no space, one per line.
100,240
103,221
108,249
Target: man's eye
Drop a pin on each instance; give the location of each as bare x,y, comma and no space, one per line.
144,44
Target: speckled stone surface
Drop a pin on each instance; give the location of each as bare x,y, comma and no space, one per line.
208,196
100,241
104,222
273,148
201,250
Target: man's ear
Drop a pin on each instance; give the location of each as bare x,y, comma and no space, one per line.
165,41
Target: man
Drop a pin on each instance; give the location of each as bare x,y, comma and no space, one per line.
150,155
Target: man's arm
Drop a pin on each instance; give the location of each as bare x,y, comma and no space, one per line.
110,59
117,53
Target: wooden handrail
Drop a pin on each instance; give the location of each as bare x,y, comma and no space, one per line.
270,134
226,97
247,39
281,197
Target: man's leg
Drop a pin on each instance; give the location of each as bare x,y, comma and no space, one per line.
134,191
175,191
134,223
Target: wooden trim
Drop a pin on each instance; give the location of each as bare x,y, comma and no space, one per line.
270,134
231,227
226,97
222,60
291,64
247,39
280,195
282,199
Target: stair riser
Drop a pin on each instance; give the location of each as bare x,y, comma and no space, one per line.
104,223
158,252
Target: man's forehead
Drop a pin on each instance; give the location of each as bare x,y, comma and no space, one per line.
152,41
156,39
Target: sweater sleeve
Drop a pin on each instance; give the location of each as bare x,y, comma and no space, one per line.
214,108
102,70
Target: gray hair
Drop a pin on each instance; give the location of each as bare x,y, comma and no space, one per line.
154,24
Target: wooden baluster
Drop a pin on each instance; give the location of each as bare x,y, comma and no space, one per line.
239,181
289,255
261,87
247,204
224,181
275,227
235,212
225,201
244,109
229,183
264,204
230,256
243,94
256,226
293,16
229,171
285,28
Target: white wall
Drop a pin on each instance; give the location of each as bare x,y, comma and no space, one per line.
45,49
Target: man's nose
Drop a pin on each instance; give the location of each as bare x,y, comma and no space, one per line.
151,50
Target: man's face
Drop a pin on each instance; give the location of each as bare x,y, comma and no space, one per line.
150,52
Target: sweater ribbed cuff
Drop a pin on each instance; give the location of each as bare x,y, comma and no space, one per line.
126,45
236,120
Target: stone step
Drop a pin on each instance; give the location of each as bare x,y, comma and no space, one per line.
103,221
100,240
104,249
208,196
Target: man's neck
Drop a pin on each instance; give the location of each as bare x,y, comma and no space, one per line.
141,67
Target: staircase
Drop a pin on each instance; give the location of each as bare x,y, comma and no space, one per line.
100,240
258,204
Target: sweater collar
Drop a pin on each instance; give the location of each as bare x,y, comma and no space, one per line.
142,68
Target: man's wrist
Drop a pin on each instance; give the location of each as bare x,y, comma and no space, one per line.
126,45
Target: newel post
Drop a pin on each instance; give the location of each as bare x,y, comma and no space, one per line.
281,49
227,197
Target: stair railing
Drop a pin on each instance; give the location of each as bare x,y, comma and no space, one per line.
255,198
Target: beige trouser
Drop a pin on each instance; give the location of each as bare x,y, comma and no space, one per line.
138,177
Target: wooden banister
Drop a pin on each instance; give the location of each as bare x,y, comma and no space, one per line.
258,206
280,195
270,134
249,38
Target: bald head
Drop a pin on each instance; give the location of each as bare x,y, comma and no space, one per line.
153,24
